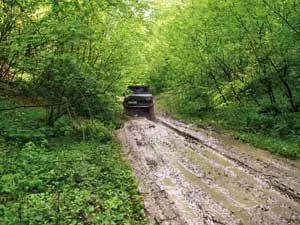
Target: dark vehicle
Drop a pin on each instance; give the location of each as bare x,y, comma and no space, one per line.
139,102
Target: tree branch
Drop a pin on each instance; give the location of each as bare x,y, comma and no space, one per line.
282,17
29,106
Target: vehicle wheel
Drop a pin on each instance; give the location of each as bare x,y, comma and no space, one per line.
151,114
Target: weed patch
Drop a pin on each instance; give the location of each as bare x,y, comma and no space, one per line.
73,183
68,173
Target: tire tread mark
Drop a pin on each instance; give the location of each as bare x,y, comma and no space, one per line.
280,187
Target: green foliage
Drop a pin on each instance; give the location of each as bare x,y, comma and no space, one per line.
72,56
70,88
68,183
221,48
21,126
92,129
233,64
68,173
215,50
277,133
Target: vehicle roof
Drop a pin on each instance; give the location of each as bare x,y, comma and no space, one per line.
138,85
143,95
139,89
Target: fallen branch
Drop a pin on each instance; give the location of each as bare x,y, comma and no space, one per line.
30,106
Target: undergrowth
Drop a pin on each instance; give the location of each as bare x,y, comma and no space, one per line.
70,173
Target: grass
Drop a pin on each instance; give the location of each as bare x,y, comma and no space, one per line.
278,134
61,179
68,183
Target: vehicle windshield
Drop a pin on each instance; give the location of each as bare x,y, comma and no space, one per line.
139,89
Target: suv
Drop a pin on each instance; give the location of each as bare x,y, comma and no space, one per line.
140,102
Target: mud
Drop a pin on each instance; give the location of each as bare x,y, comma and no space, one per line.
190,175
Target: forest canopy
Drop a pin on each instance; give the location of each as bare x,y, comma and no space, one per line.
70,55
234,64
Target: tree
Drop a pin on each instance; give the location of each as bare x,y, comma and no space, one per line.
69,53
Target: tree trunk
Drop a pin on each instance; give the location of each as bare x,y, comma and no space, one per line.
217,86
288,89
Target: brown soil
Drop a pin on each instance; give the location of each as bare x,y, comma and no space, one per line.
189,175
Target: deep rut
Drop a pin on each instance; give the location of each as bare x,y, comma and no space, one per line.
192,176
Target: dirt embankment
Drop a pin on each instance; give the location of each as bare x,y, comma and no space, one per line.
193,176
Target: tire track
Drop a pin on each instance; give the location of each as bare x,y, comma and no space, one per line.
281,187
185,180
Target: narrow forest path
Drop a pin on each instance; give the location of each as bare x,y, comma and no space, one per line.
189,175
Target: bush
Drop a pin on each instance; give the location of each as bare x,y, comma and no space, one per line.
73,183
288,124
71,88
260,123
92,129
270,109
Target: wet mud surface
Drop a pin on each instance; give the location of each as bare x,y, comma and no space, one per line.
190,175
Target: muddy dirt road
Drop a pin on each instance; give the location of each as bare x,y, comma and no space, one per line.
190,175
